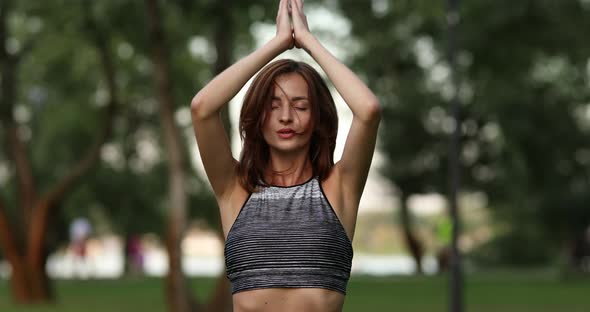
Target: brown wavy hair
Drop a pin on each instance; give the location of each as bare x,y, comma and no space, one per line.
255,152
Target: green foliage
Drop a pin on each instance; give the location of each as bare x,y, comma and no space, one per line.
62,91
518,248
524,94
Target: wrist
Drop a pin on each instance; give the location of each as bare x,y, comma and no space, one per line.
306,41
283,43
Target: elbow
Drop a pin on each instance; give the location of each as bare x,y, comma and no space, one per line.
373,112
197,107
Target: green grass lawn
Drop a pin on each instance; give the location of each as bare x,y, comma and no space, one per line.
503,292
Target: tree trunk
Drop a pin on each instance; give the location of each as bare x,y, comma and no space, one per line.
177,291
29,282
25,249
221,299
223,39
19,282
36,259
579,252
412,242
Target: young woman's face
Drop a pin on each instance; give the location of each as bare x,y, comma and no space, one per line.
288,120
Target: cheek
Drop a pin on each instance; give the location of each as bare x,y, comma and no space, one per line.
266,118
306,121
267,126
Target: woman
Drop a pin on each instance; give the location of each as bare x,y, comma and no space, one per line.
288,212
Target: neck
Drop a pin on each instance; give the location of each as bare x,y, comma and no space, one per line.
288,169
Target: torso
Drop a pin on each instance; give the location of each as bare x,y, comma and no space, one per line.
291,299
288,300
230,207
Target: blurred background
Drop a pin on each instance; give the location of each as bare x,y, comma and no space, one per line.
104,205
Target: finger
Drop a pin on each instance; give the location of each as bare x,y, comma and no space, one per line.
299,4
295,9
298,9
279,10
281,7
283,15
299,18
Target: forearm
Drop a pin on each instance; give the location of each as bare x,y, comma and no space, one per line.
362,101
219,91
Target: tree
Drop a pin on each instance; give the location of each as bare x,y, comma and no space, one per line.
522,92
532,91
23,233
177,292
416,152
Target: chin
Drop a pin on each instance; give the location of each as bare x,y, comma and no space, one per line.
288,147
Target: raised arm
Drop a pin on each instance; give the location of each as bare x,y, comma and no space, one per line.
360,143
208,102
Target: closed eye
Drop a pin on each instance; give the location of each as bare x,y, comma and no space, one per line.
300,104
275,103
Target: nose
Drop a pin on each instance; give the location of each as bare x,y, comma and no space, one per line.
286,115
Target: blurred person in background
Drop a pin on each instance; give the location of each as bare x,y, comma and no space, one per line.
80,230
135,258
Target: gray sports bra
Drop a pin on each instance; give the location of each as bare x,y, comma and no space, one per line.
288,237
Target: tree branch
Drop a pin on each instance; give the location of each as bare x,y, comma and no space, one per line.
14,144
177,292
223,38
91,155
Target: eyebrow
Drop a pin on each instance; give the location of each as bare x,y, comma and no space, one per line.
293,99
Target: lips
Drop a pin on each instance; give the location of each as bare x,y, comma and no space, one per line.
286,133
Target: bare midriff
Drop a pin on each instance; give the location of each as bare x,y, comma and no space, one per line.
288,300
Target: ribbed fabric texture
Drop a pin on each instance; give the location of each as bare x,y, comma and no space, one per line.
288,237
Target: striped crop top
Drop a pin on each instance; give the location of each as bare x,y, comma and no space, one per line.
288,237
